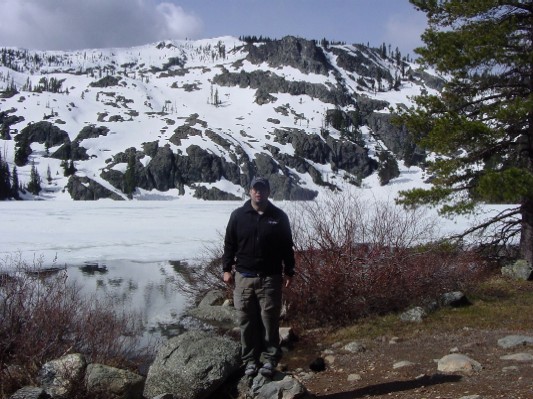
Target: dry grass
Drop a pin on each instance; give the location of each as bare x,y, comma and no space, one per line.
495,303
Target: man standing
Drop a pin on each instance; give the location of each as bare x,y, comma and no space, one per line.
258,244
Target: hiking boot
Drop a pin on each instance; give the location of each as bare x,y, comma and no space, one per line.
251,369
267,370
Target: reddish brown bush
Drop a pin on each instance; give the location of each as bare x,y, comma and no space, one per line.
356,259
43,316
353,259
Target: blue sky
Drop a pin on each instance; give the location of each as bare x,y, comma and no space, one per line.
77,24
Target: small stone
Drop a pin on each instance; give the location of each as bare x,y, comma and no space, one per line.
355,347
403,363
414,315
354,377
330,359
512,341
519,357
458,363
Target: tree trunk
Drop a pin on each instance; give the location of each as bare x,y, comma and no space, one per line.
526,237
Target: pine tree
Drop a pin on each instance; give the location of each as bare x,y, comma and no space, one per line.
216,99
481,124
23,151
34,186
388,167
15,184
5,184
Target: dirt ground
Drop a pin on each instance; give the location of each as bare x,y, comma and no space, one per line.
370,374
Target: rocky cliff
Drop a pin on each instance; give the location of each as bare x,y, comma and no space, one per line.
202,118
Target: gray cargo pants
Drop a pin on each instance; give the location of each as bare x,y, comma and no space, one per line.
258,302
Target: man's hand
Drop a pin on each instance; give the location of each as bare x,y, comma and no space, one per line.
288,281
228,278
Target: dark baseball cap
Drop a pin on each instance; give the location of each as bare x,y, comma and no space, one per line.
260,180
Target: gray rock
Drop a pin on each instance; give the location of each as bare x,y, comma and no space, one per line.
512,341
519,357
59,377
454,299
220,316
519,270
458,363
30,393
113,382
414,315
354,347
192,365
403,363
212,298
283,387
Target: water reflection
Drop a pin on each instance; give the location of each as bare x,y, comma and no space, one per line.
149,289
90,268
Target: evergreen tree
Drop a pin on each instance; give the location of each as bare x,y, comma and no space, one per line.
481,124
34,186
15,184
216,99
388,167
68,168
5,184
23,151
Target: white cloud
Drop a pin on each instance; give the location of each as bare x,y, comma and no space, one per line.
177,22
75,24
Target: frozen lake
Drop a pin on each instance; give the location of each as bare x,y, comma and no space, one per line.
135,240
142,231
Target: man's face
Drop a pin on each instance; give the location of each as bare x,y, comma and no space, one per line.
259,194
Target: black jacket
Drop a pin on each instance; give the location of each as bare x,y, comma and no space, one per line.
257,243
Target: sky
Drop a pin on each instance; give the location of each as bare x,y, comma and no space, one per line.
82,24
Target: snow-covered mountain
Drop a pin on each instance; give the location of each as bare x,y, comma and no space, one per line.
201,118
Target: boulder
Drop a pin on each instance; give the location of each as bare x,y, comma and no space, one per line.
354,347
519,270
283,386
59,377
512,341
220,316
458,363
455,299
212,298
414,315
113,382
192,365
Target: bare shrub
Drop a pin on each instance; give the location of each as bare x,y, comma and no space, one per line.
357,258
43,316
204,274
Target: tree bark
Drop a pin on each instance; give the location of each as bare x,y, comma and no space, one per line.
526,236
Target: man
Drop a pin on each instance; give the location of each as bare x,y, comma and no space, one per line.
258,244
